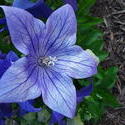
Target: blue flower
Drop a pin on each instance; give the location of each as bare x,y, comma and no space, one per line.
5,112
6,60
73,3
38,9
52,60
57,118
81,94
26,107
2,56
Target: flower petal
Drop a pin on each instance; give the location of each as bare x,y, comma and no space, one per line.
73,3
57,118
2,21
4,65
12,57
2,55
24,4
2,121
27,107
38,9
25,30
5,110
7,61
85,91
60,29
58,93
75,62
20,82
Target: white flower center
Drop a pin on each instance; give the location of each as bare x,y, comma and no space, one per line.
48,61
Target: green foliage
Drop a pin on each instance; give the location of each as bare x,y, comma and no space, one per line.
88,37
106,78
40,118
95,105
75,121
43,116
9,1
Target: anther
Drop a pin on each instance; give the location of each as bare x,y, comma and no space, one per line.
48,61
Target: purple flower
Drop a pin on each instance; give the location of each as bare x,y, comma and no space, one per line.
73,3
6,60
57,118
38,9
26,107
81,94
2,122
51,60
5,112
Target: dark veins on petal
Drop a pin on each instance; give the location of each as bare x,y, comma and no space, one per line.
51,45
32,71
58,90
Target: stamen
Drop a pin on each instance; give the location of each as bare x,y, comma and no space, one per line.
48,61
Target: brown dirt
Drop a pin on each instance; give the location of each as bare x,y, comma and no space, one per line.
113,14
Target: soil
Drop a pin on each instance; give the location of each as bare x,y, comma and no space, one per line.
113,14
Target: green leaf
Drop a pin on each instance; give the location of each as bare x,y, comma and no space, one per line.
107,98
30,116
43,116
84,6
9,1
75,121
107,77
91,109
89,21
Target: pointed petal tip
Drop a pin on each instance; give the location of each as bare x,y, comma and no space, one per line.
58,93
68,115
72,115
19,29
67,6
76,62
73,3
93,55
